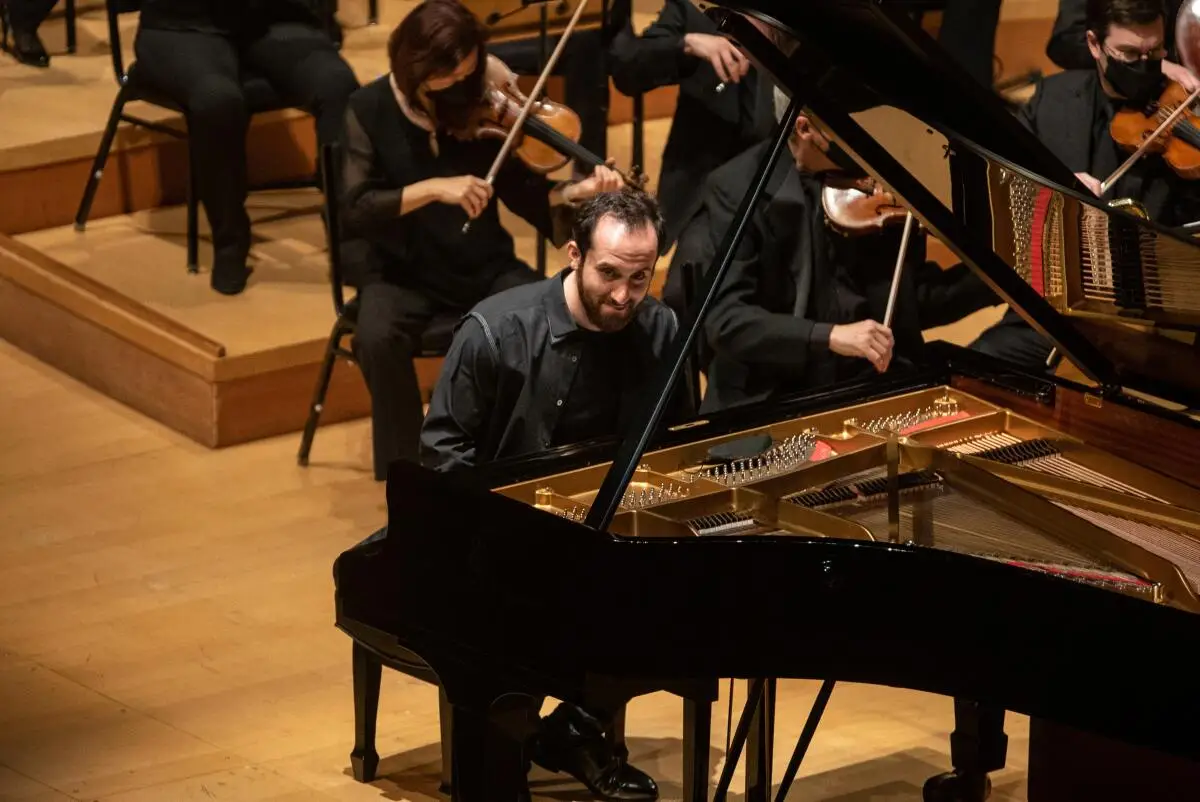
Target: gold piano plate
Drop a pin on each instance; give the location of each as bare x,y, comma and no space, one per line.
966,475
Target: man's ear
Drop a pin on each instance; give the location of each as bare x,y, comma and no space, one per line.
1094,45
573,254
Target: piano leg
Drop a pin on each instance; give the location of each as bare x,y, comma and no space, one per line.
760,747
488,763
697,734
367,670
445,717
978,745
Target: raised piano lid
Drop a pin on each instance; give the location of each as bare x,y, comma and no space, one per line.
996,197
846,55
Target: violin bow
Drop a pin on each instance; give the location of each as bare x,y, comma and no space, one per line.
891,304
1107,183
533,98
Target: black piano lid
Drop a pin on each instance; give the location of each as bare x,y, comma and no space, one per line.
891,61
856,54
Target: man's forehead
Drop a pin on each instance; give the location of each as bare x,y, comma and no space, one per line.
1146,35
615,242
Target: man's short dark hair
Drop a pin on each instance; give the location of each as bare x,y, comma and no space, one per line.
633,207
1103,13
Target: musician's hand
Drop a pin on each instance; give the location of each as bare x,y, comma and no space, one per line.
603,179
866,339
1090,182
468,191
1181,75
730,64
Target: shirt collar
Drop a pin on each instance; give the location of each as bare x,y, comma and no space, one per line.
562,322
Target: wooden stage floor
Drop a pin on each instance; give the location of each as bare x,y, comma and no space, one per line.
166,630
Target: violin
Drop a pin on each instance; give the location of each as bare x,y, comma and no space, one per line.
549,138
855,206
1179,144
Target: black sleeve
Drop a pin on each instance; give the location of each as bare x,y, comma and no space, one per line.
1028,114
740,328
462,400
369,205
656,58
1068,40
946,296
527,194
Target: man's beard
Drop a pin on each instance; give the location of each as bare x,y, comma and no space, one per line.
604,319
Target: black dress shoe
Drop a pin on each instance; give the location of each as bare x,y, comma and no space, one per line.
27,48
574,742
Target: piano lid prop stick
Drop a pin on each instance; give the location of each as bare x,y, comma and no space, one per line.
891,304
1107,183
529,101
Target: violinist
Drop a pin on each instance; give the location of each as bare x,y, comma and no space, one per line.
412,177
1072,113
802,302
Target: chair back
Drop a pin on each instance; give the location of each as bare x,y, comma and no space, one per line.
331,187
115,8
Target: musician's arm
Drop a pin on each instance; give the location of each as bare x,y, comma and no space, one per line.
656,58
945,296
368,203
1068,40
740,328
462,400
537,200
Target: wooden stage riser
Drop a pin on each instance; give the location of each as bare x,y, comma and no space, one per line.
213,413
147,171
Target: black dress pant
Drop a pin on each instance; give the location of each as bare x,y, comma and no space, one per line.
204,73
27,15
585,82
391,322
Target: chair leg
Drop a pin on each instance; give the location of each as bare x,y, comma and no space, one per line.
367,670
193,216
372,12
69,18
106,142
446,716
318,402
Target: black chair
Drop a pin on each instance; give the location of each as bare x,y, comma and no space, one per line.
698,359
435,341
260,98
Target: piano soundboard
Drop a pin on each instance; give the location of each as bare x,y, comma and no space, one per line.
937,467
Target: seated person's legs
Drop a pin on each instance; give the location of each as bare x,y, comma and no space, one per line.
390,322
199,71
1013,340
303,65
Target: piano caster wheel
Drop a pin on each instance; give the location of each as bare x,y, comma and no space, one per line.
955,787
364,766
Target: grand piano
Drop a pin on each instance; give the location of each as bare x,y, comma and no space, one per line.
1013,539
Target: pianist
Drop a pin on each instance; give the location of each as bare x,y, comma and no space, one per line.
560,361
800,306
408,187
1071,113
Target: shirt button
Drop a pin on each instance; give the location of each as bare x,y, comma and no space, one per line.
574,357
558,403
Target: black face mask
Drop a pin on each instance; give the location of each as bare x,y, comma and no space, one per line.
454,105
1140,82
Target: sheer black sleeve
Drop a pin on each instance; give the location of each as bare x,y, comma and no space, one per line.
369,205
